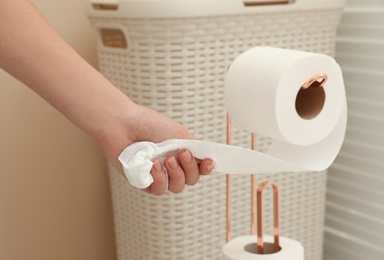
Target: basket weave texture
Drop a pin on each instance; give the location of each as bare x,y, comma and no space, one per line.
177,66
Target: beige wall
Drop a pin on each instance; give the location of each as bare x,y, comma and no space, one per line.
54,193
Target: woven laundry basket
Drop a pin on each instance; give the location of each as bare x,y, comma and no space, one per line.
172,55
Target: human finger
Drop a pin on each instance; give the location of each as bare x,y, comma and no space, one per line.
190,167
159,185
206,166
176,177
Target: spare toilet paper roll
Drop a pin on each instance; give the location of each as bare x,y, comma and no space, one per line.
244,248
263,94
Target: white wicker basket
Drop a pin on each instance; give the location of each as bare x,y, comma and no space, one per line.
172,56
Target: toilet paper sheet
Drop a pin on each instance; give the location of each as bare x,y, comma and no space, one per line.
261,88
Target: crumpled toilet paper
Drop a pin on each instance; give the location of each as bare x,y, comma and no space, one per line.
261,88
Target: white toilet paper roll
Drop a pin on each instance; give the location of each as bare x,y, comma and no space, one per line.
244,248
261,88
263,94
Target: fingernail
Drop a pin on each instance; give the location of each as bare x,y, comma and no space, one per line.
173,163
157,166
187,156
210,167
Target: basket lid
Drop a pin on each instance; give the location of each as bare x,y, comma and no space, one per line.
200,8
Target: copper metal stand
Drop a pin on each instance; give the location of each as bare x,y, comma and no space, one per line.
253,187
317,80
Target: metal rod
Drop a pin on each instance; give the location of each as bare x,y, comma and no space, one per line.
253,190
228,229
276,228
320,78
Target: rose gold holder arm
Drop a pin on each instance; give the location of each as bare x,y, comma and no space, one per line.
228,220
228,191
320,78
253,190
276,228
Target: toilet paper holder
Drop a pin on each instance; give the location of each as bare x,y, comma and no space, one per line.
317,80
256,202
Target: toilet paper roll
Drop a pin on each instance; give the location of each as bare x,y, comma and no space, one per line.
262,87
263,94
244,248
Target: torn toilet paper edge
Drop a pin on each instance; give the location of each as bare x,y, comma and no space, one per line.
137,159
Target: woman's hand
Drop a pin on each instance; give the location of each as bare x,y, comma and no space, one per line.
143,124
34,53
